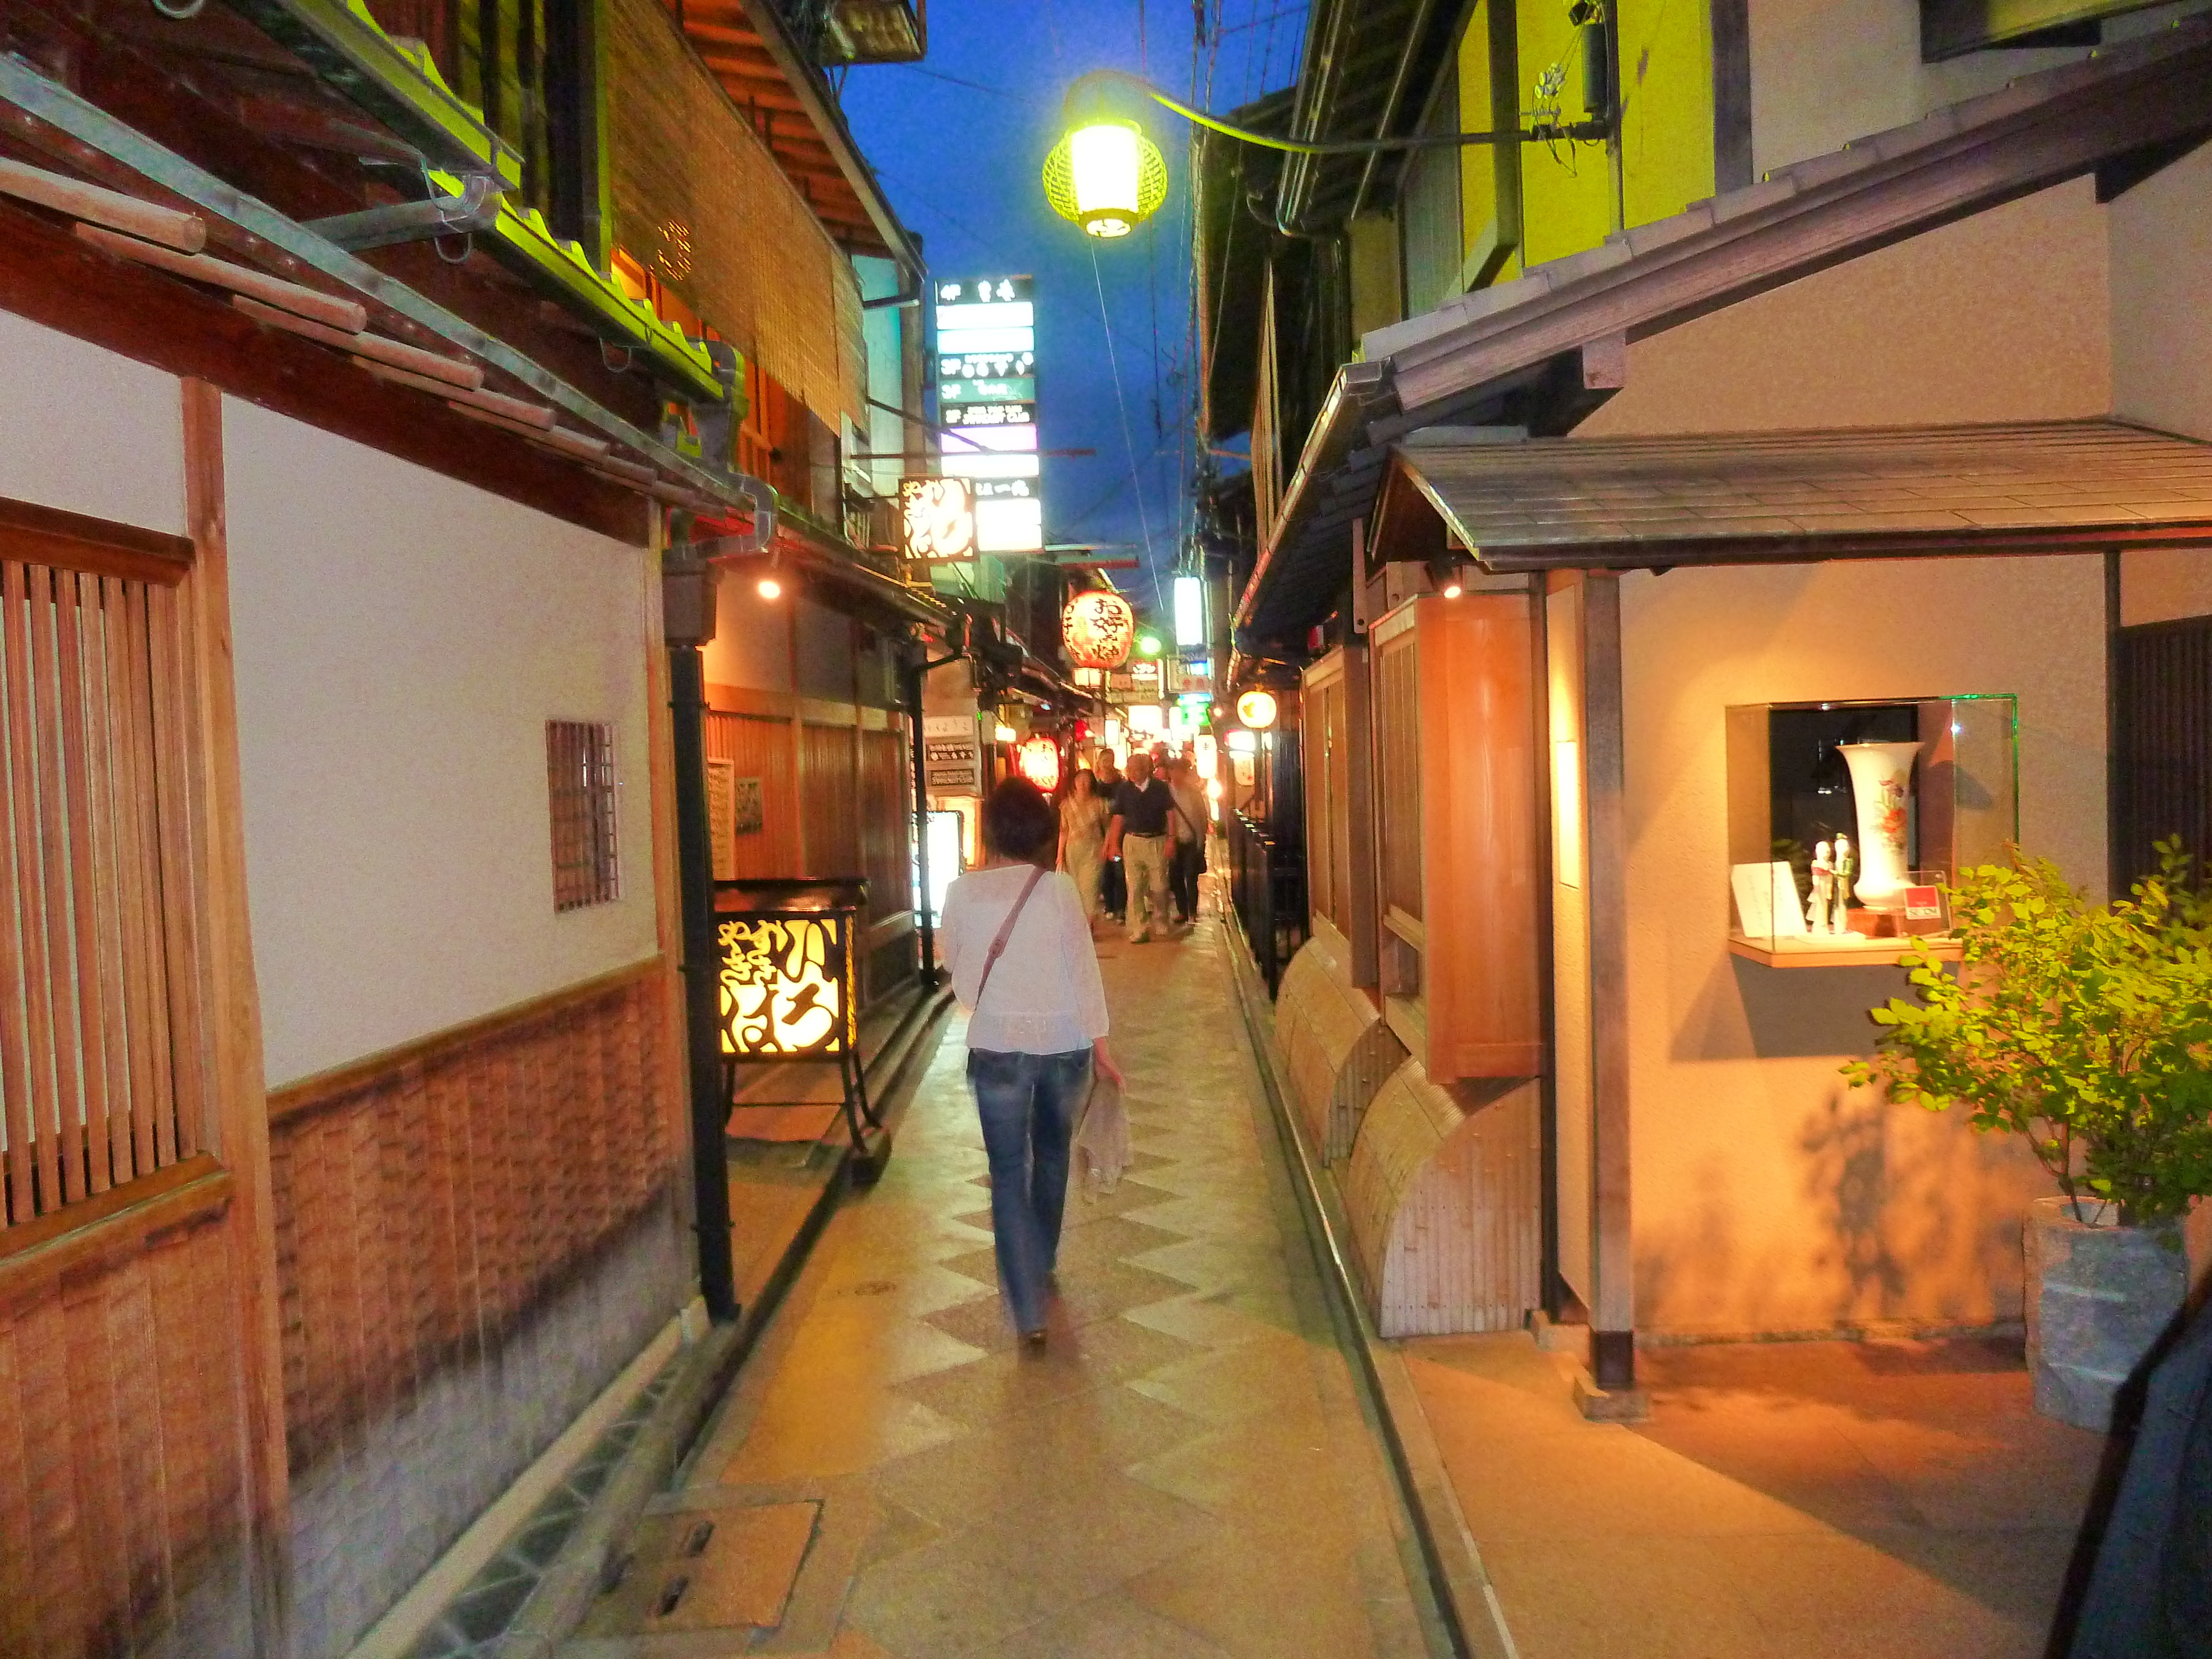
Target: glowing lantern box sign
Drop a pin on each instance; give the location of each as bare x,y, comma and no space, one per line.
1039,759
939,515
1099,629
790,981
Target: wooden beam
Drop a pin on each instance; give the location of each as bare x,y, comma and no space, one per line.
1613,1312
46,276
232,1004
71,541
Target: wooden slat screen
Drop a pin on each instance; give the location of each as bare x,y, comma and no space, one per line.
759,746
887,821
830,797
98,1024
580,781
758,266
2163,738
1398,768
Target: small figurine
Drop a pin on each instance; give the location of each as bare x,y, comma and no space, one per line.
1847,865
1823,901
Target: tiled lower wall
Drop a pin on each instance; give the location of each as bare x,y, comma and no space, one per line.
390,1495
473,1237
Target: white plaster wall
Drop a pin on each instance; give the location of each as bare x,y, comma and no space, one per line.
87,431
401,640
1823,72
1916,333
1768,1196
2161,303
752,645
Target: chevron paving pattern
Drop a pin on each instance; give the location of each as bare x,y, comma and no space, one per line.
1183,1474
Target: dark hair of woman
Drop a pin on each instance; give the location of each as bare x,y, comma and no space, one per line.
1019,823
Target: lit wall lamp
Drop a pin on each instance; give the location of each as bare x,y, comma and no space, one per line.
1448,575
1106,176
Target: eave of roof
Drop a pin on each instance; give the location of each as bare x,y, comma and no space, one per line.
1794,497
748,48
1458,362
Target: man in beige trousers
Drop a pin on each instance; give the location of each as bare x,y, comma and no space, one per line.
1137,834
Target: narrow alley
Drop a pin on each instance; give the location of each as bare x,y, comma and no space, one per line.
1184,1472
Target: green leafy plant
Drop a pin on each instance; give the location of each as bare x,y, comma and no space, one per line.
2086,1029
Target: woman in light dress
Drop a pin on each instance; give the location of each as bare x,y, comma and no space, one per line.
1083,818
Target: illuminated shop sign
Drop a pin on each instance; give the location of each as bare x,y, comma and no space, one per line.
986,405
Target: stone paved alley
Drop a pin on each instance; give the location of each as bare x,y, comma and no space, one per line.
1185,1473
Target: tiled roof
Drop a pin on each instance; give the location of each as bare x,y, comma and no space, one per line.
1735,498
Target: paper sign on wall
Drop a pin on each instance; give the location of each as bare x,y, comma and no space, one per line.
721,817
952,757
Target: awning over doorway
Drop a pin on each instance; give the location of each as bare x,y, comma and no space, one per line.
1794,497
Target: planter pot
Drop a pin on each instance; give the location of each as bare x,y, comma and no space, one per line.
2099,1296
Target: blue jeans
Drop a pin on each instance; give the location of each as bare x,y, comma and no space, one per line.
1028,1104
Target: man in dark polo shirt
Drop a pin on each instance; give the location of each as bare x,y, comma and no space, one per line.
1138,836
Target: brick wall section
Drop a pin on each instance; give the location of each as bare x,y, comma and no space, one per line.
470,1242
122,1520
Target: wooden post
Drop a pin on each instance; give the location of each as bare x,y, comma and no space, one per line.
1613,1315
1359,780
234,1016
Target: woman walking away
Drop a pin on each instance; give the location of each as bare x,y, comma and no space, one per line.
1019,950
1083,816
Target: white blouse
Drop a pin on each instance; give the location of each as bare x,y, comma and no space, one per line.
1045,995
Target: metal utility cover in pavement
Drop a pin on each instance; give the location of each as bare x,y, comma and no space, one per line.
699,1569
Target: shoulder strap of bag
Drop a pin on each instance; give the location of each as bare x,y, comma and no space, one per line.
1006,931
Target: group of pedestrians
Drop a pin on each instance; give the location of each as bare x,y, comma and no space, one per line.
1134,846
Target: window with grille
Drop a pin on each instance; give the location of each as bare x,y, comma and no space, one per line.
98,999
579,775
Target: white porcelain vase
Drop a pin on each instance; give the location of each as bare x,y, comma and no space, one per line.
1882,788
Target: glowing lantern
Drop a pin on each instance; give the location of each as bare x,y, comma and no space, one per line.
1256,710
1205,757
1106,176
1039,760
1099,628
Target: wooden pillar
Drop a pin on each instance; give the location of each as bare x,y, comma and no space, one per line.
799,866
239,1082
1361,880
1613,1315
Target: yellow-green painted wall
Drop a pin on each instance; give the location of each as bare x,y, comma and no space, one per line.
1667,107
1567,190
1478,166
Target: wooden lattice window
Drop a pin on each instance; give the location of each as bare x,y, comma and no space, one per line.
99,1080
580,776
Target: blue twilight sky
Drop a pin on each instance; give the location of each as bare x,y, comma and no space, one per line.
959,141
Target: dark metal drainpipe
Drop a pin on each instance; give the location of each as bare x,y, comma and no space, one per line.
694,860
915,677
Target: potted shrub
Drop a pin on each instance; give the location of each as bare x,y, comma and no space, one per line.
2087,1030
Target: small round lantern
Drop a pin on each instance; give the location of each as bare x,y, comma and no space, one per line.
1099,629
1256,710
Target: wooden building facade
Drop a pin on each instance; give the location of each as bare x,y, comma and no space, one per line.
357,368
1537,545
